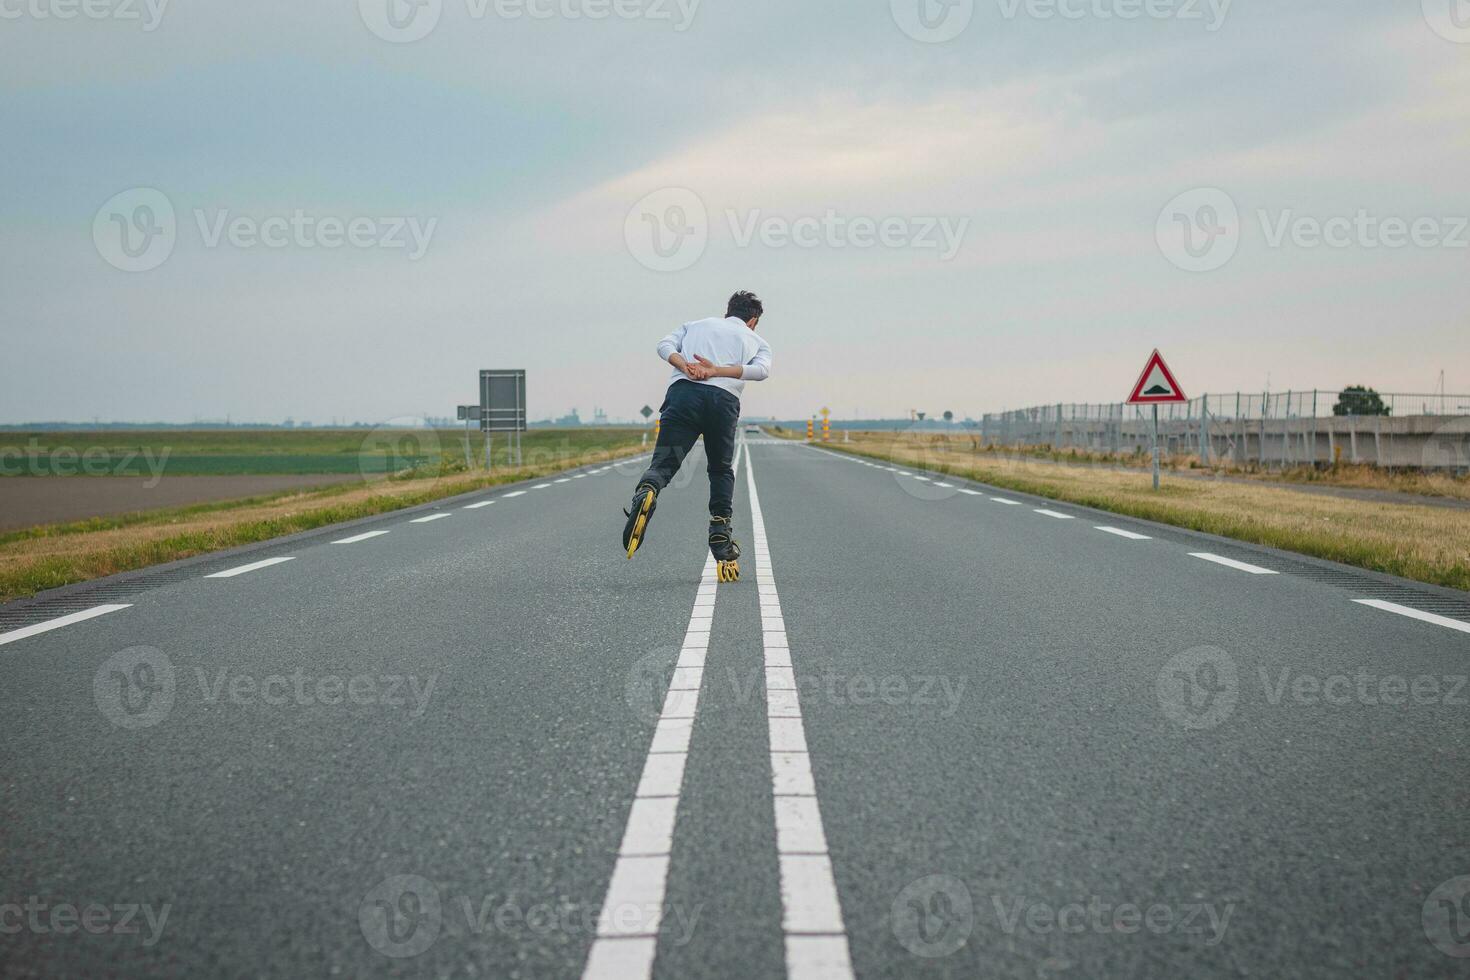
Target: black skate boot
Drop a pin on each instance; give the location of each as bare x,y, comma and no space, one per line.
727,553
645,501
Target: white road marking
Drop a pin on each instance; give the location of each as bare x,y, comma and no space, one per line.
232,572
1008,503
632,911
1393,607
922,479
361,537
1131,536
483,503
514,493
565,479
429,520
816,939
541,486
1052,513
1231,563
947,486
580,476
55,624
969,492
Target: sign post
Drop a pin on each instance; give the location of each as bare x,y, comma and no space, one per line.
1156,386
468,414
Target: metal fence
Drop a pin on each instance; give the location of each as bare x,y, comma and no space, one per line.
1277,428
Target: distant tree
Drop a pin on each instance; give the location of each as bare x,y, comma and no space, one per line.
1358,400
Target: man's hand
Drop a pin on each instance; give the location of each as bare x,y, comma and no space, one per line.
713,370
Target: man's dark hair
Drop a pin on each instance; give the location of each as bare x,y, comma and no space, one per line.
745,305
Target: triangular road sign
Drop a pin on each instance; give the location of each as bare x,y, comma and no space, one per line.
1156,385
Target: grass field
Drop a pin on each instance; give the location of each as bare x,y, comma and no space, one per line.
1429,544
238,452
49,556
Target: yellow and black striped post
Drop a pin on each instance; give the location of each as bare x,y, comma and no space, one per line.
826,429
809,430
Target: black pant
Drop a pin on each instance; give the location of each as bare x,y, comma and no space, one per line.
692,410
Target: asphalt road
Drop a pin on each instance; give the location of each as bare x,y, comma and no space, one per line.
487,745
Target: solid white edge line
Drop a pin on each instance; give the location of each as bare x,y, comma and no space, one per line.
58,623
811,911
242,569
1394,607
1231,563
361,537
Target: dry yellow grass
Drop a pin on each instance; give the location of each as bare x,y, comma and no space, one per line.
49,557
1426,543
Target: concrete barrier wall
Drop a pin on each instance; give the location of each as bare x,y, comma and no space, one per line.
1426,441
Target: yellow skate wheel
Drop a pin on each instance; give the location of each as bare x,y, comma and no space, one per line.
636,538
728,571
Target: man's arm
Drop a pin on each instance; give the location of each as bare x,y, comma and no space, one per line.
668,350
758,368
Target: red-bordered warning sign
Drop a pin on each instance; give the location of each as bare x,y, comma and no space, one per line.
1156,385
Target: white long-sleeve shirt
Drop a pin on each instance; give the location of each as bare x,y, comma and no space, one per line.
725,342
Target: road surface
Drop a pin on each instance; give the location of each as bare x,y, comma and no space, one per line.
938,730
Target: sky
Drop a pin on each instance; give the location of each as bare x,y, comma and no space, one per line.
346,209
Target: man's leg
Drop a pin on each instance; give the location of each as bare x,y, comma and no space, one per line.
721,420
679,426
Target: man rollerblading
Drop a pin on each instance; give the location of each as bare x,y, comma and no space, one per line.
712,360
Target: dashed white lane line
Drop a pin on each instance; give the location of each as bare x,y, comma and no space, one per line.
430,519
541,486
1231,563
513,493
56,624
1052,513
580,476
565,479
627,927
232,572
483,503
1393,607
1008,503
361,537
1130,535
970,493
816,939
947,486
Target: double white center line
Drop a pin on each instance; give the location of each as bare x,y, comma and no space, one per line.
816,939
627,928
